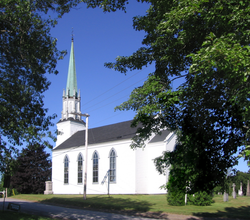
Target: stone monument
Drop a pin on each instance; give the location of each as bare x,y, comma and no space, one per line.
248,188
225,197
234,192
48,187
240,192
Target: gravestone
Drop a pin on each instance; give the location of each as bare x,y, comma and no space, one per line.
248,188
225,197
48,187
240,192
234,192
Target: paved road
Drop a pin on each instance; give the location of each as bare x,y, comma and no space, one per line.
63,213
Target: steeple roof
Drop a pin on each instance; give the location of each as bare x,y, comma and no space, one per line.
71,88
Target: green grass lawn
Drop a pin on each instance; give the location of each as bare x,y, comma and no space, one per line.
234,208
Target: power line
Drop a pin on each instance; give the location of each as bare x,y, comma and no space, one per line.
115,86
108,118
117,93
109,103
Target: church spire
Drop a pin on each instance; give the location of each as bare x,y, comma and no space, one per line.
71,97
71,120
71,88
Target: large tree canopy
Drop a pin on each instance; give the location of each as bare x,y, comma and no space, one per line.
27,52
206,43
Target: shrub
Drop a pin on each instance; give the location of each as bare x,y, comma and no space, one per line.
200,199
176,198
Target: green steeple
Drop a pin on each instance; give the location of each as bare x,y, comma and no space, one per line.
71,88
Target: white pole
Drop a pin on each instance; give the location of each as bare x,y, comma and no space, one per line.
86,156
186,196
86,152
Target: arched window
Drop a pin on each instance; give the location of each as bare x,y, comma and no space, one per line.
66,169
95,167
80,168
112,166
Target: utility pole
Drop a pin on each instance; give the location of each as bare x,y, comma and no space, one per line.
86,152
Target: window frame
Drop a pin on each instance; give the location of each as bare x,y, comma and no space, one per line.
112,166
95,177
79,168
66,170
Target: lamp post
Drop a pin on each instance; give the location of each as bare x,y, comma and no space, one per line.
86,151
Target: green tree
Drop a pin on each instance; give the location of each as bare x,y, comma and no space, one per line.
240,177
7,159
34,168
245,153
1,185
27,52
206,44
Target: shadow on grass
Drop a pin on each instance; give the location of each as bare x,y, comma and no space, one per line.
10,215
101,203
123,206
242,212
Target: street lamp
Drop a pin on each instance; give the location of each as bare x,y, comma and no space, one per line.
86,151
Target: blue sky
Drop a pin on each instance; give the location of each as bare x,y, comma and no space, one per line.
98,38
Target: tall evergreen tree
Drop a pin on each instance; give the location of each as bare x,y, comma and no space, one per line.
34,168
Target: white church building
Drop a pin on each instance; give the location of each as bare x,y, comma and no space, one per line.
130,171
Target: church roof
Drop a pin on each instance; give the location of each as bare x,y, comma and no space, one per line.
113,132
71,88
162,137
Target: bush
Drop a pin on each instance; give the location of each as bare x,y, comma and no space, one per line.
200,199
12,192
176,198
